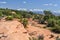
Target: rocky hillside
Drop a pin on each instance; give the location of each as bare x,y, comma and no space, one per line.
24,25
14,30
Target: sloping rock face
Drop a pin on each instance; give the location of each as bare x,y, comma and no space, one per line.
12,30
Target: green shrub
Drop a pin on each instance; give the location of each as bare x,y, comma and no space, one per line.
56,29
55,25
9,18
41,22
25,22
1,14
50,24
17,16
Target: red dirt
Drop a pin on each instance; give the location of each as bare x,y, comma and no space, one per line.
14,30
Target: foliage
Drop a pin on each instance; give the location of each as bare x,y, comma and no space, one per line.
9,18
1,14
25,22
41,21
52,21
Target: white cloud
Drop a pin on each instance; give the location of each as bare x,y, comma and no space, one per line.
58,11
24,9
3,2
24,2
50,4
31,9
55,11
46,4
36,9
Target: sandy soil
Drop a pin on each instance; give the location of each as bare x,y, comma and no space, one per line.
14,30
36,31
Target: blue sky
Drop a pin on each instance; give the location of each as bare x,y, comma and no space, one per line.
53,5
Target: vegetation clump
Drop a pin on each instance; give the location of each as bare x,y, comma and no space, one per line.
25,22
9,18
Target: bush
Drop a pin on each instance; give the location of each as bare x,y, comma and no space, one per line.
1,14
28,16
9,18
41,22
18,16
46,18
51,23
55,25
56,29
25,22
